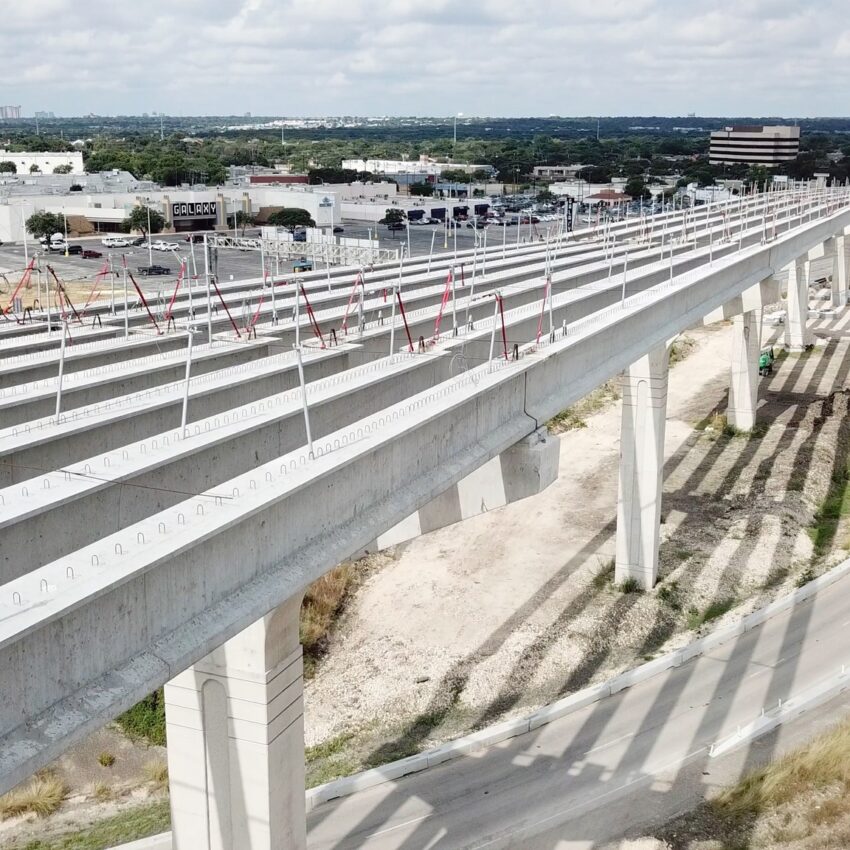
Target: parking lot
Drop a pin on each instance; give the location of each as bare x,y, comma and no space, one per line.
233,264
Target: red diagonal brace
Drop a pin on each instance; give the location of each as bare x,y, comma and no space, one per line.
404,319
142,299
23,282
176,290
221,298
312,316
504,335
63,297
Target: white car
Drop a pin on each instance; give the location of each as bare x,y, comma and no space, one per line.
115,242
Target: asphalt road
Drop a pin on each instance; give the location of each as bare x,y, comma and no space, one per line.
636,757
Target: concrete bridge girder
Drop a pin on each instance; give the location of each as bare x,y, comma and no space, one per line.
192,587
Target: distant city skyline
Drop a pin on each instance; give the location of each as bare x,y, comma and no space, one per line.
402,58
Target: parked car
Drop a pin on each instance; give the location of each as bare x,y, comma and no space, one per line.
339,229
303,265
115,242
299,236
396,225
147,271
89,254
138,241
75,249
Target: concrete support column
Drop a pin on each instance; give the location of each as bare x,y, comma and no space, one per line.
236,742
743,380
798,337
644,388
523,470
838,287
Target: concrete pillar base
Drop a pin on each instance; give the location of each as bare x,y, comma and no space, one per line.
235,730
524,470
743,384
644,388
838,279
798,336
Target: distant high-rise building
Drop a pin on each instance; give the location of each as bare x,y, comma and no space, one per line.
10,112
754,145
44,115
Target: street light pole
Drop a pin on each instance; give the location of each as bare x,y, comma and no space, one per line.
150,247
454,137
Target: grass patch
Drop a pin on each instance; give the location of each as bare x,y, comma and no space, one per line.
106,759
605,576
330,759
327,749
805,577
156,772
835,507
822,762
42,795
718,425
574,417
669,595
102,792
784,791
146,720
131,825
323,602
714,611
630,585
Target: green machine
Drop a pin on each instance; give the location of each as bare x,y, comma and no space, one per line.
766,359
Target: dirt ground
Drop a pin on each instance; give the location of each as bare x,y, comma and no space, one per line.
491,618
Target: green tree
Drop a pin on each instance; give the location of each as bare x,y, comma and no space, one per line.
45,224
636,188
759,175
244,219
62,169
595,174
393,216
138,220
544,196
291,218
8,167
455,175
34,169
422,190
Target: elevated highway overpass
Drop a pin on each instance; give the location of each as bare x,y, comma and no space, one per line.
200,584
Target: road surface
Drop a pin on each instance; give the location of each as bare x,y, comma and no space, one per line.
638,756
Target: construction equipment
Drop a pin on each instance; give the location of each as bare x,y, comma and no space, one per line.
766,359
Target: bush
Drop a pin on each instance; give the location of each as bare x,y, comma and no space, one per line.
42,796
146,719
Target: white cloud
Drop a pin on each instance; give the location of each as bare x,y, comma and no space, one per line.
496,57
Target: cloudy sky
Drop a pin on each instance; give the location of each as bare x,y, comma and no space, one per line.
427,57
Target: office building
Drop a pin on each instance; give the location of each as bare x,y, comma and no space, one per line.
754,145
